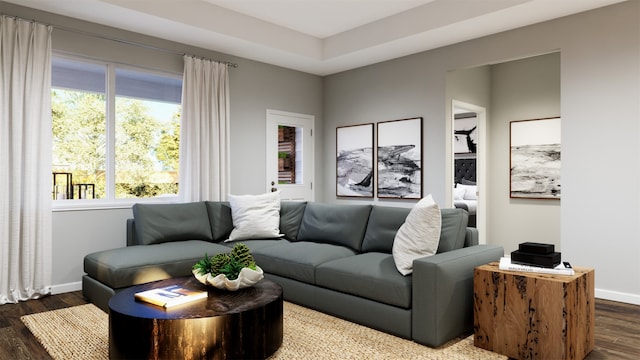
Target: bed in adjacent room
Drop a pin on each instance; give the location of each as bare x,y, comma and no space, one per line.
465,191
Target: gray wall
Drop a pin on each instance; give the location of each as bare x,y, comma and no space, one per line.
520,90
599,92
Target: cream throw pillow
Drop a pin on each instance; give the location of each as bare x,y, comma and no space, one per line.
418,236
255,216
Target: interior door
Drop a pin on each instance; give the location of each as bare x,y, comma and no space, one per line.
290,155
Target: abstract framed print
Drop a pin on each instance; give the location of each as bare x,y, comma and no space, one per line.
399,165
354,161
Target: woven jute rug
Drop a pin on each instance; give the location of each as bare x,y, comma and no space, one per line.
81,332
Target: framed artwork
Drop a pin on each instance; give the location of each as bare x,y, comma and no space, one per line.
354,161
400,159
465,134
535,159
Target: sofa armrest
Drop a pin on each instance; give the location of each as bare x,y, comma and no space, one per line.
442,299
471,237
131,232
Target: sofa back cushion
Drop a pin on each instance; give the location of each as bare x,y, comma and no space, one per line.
383,225
222,222
335,224
385,221
454,226
158,223
220,219
291,213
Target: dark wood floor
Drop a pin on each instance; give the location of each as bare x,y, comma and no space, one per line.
617,328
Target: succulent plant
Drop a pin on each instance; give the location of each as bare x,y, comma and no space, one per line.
203,266
240,253
227,264
218,263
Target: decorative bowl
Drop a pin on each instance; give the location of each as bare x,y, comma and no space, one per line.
247,277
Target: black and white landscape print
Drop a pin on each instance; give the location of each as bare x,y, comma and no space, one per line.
535,159
400,159
354,163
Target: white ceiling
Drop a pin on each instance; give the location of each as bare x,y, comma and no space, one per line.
317,36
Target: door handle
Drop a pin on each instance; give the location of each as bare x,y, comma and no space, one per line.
274,189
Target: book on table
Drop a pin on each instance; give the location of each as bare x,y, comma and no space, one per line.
170,296
506,264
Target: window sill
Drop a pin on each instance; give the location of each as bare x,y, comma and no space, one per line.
85,205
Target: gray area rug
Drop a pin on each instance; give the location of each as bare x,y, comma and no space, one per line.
81,332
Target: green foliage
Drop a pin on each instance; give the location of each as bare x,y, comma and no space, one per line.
79,136
240,252
227,264
168,150
146,148
203,266
232,269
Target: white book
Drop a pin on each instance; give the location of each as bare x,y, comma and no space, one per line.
506,264
170,296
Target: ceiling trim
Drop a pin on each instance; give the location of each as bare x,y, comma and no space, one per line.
201,23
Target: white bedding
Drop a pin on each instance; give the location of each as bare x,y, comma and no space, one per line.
472,205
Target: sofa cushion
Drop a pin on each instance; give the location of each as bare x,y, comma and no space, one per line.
298,260
454,226
219,219
384,222
370,275
418,236
335,224
255,216
158,223
131,265
291,213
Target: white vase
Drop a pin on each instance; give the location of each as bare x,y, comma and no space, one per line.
246,278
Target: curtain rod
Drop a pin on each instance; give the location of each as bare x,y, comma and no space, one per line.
122,41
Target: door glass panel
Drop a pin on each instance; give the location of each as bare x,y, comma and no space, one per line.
289,155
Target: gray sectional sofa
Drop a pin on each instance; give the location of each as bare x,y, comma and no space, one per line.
333,258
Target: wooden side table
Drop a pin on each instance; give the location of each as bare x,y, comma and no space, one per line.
527,315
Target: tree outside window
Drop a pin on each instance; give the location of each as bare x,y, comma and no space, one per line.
142,154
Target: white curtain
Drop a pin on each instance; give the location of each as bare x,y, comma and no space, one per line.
25,160
204,132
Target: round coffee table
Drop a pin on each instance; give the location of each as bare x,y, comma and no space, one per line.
227,325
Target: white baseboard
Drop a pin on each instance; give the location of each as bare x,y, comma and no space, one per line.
64,288
618,296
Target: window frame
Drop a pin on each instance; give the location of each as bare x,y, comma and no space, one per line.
110,201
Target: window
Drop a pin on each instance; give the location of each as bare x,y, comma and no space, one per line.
116,131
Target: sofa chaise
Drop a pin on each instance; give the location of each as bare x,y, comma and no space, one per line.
334,258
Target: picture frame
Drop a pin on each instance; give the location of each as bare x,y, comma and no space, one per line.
465,133
399,162
535,158
354,161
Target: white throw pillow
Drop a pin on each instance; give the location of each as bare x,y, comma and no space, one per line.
255,216
419,236
470,191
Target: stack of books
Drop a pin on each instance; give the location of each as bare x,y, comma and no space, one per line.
562,269
536,254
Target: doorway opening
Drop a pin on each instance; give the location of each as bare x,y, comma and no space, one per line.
469,165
